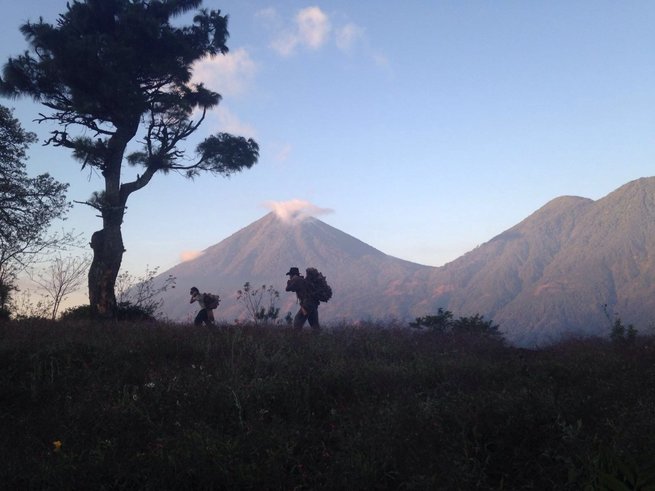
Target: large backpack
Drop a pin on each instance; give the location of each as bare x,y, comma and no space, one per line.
211,301
318,286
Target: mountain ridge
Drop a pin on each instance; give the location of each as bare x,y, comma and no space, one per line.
547,277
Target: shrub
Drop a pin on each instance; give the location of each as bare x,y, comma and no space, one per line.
81,312
621,335
440,322
124,312
127,311
443,322
475,325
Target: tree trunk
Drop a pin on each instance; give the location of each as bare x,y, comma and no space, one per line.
107,245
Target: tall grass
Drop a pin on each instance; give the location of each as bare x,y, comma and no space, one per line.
156,406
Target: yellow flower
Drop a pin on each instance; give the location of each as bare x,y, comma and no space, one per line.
57,445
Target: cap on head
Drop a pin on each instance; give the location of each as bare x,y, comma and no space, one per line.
194,290
293,272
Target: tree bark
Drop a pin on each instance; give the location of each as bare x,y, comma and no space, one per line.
107,245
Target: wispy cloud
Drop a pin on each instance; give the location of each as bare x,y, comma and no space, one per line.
230,74
348,35
285,44
228,122
189,255
381,60
222,119
296,210
269,15
313,27
282,151
310,29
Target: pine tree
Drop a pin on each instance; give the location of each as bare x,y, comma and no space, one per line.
115,69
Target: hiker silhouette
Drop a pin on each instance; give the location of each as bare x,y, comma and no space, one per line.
309,294
208,302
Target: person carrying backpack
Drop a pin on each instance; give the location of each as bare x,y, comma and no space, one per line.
308,307
310,290
208,302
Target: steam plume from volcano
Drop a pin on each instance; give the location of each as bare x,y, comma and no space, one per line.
296,210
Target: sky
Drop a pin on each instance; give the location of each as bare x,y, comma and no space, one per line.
423,128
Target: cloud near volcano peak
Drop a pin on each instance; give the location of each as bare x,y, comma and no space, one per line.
296,210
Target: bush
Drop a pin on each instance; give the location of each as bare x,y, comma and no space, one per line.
130,312
439,323
443,322
621,335
475,325
125,312
81,312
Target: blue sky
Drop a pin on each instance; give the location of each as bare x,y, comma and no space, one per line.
423,128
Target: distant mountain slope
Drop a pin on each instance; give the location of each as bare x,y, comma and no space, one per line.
548,276
366,282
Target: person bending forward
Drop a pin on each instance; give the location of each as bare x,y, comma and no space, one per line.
308,306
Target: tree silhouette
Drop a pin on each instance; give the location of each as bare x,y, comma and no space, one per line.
27,207
254,300
114,69
63,276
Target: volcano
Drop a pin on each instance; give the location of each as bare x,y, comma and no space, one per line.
367,284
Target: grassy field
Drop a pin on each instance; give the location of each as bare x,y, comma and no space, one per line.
158,406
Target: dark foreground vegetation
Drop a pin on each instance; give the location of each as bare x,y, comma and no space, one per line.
152,406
